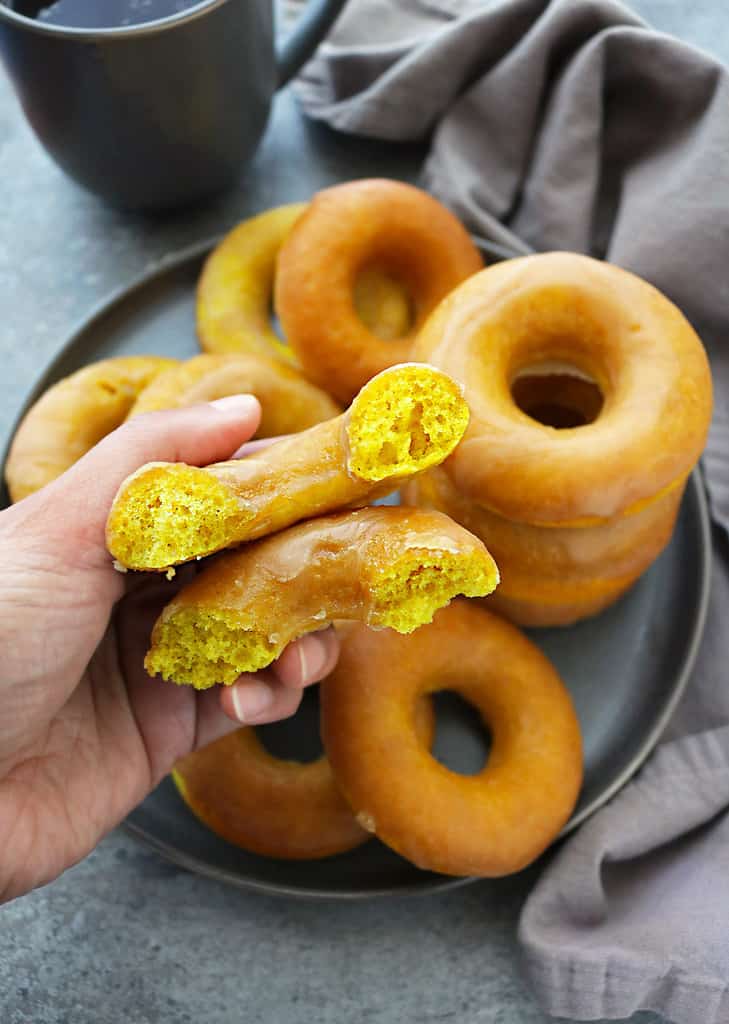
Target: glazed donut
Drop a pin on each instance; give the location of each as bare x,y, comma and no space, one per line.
349,229
236,284
529,555
74,415
235,290
289,403
564,606
557,311
274,807
408,418
489,824
553,576
386,567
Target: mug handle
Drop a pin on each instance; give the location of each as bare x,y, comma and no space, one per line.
310,29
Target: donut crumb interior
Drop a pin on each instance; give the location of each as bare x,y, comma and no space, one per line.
171,514
204,648
411,589
403,421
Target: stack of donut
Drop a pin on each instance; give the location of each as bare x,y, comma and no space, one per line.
575,512
590,393
589,399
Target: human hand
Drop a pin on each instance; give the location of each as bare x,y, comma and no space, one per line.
85,734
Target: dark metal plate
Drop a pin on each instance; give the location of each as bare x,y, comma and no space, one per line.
625,669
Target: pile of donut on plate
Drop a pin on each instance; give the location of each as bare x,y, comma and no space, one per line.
550,407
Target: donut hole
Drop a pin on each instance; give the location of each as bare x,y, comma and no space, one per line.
275,322
295,738
383,303
462,741
557,395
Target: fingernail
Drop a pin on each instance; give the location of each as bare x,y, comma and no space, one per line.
240,405
312,656
250,700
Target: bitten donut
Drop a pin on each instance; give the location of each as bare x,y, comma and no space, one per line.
235,290
289,403
403,421
489,824
346,231
567,310
74,415
274,807
384,566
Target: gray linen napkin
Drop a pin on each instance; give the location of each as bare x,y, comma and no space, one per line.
571,125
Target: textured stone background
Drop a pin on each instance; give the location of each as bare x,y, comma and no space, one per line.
125,937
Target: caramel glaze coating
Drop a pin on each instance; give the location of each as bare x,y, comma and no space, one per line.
533,559
236,284
74,415
554,576
564,607
489,824
292,479
350,229
382,566
275,807
289,403
610,325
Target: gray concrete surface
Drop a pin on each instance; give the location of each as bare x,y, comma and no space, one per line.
125,937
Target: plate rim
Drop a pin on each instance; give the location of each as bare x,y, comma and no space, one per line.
429,885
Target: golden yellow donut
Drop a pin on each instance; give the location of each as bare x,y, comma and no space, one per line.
554,576
565,310
345,231
405,420
384,566
236,284
274,807
489,824
235,291
563,607
74,415
530,557
289,403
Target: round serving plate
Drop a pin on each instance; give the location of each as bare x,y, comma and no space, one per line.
626,669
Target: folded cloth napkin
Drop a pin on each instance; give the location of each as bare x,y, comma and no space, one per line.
571,125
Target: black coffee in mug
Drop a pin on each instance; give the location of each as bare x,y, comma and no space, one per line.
152,103
99,13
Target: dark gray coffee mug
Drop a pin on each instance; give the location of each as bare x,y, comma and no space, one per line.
160,114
